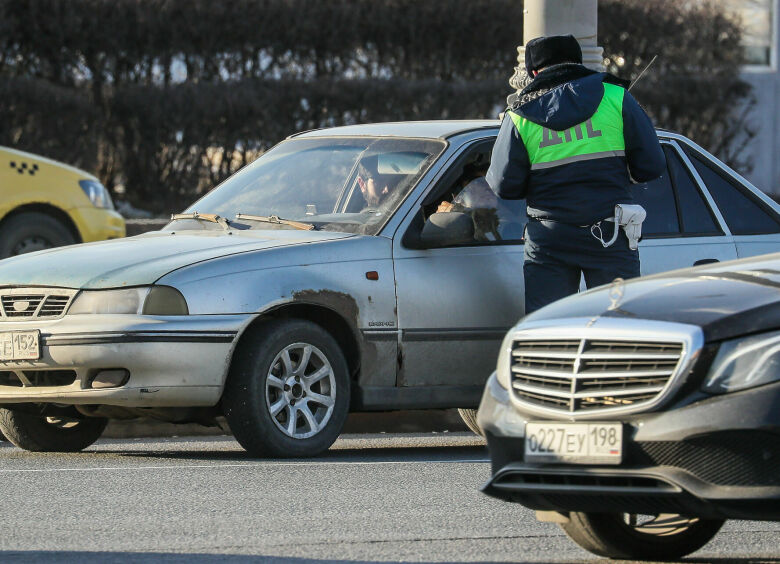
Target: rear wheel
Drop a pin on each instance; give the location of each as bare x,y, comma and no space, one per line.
469,417
32,231
40,433
287,393
641,537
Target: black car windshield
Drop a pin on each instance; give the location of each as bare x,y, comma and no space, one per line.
348,184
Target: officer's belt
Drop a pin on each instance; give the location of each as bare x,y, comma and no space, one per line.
535,218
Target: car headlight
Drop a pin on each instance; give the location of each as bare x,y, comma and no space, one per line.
745,363
146,300
504,364
164,300
97,194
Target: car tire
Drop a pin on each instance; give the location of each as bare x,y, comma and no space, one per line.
469,417
287,394
661,537
40,433
32,231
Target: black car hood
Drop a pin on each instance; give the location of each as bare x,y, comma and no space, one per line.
726,300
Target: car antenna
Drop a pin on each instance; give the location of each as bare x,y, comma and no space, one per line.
643,72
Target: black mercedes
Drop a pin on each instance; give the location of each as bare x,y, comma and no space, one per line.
643,414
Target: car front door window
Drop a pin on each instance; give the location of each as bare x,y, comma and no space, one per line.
495,220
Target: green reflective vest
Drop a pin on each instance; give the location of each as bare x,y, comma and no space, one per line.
600,136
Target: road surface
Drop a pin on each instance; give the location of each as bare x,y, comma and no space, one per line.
371,498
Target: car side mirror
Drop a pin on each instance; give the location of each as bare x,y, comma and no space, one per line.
447,229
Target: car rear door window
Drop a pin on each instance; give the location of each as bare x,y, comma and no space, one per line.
657,197
743,214
695,214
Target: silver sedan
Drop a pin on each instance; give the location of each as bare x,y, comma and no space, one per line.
359,268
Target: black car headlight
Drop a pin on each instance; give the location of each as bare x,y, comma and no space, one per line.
145,300
745,363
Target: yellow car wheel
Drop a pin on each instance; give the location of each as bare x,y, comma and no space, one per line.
32,231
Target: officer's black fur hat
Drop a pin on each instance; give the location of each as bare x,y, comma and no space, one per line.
555,49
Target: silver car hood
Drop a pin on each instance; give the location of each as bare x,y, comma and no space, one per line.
142,259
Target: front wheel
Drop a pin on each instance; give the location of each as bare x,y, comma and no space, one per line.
287,394
640,537
41,433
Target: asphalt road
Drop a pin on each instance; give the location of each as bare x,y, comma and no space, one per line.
371,498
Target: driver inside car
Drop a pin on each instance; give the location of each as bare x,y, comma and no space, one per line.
375,187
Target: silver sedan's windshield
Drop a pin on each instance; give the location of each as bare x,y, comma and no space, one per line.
334,183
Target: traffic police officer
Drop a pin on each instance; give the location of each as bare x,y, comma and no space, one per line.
571,145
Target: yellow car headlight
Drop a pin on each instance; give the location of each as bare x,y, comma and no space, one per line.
97,194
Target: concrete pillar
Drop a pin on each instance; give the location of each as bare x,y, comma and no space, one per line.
560,17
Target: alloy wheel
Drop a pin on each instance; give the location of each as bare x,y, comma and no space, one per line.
664,524
300,390
62,422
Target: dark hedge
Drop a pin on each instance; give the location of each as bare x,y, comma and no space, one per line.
164,98
694,86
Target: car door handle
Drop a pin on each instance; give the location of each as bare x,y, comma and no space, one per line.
705,261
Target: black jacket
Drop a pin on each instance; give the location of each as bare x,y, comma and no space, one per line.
583,192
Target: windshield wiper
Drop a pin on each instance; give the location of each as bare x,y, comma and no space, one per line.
277,220
212,217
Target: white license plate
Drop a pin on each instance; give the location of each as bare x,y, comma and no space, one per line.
574,443
20,345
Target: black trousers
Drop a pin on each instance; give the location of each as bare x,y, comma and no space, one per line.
556,254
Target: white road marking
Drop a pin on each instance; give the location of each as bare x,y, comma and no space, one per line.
256,465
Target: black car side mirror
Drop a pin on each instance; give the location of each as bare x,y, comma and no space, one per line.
447,229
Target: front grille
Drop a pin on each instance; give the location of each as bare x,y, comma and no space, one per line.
732,458
37,378
575,376
584,482
579,491
649,504
54,306
27,304
8,378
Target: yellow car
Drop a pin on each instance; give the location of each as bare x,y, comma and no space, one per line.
45,203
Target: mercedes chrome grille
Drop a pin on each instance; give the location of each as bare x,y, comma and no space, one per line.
580,376
28,304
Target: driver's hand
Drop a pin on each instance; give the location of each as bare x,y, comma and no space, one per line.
444,207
